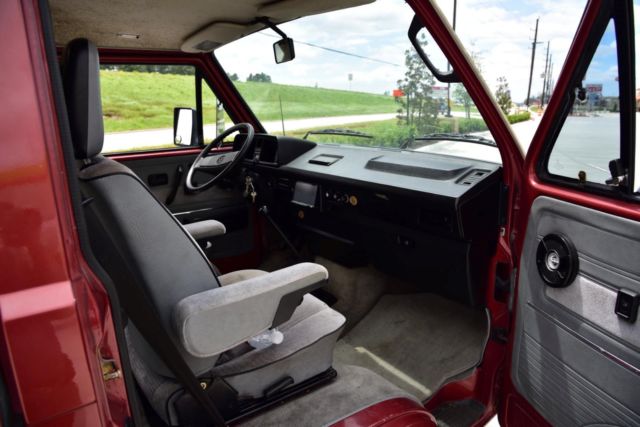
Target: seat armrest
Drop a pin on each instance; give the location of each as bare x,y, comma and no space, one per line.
211,322
205,229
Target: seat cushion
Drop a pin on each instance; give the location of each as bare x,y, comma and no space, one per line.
307,350
309,338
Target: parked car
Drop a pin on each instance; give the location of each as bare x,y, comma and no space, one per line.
399,271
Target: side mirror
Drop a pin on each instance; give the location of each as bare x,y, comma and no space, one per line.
185,130
283,50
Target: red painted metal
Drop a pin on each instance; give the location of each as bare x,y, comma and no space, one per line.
82,417
141,155
514,409
484,382
42,335
399,412
533,186
123,157
49,291
51,326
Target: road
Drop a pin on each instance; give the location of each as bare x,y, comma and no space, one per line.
123,141
151,138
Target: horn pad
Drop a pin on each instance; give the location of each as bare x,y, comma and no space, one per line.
557,260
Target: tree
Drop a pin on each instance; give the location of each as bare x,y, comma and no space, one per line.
233,77
461,96
417,106
503,95
259,77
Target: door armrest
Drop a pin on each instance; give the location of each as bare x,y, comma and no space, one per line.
205,229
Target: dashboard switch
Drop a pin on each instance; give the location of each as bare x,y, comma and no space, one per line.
405,241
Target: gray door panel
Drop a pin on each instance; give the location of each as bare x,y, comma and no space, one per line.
574,359
225,205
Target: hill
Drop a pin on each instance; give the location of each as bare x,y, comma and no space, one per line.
133,100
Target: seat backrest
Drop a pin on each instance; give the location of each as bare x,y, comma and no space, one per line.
134,237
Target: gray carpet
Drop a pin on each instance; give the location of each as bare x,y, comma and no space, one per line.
354,389
416,341
357,290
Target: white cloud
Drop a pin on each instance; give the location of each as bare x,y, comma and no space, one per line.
499,31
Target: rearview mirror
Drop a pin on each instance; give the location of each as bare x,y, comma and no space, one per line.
283,50
185,131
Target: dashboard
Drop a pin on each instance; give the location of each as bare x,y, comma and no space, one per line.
428,218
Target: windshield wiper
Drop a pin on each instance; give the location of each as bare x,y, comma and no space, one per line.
342,132
464,137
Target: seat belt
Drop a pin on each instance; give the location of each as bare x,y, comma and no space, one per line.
147,321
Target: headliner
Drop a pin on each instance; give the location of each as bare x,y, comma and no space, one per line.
174,25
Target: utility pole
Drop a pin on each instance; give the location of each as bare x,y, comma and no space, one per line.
533,57
550,83
455,5
546,77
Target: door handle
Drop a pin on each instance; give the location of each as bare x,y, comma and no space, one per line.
176,185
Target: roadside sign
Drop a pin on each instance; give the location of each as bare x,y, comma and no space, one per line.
438,92
594,88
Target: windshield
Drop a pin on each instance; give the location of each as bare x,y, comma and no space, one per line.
356,80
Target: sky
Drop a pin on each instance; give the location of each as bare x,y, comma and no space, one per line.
498,32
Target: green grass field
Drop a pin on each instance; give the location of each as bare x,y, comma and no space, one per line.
392,133
134,101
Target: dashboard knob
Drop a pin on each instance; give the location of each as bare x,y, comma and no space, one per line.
353,200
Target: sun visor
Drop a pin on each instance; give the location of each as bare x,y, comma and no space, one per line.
286,10
215,35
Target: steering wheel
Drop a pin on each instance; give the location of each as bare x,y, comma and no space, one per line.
219,164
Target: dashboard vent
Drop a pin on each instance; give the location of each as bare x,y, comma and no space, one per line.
472,177
325,159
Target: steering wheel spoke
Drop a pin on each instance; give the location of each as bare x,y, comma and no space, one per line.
216,162
219,164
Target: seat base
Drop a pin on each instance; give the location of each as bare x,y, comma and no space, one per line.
256,406
189,412
252,376
354,390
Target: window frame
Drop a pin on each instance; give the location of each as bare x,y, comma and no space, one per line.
622,15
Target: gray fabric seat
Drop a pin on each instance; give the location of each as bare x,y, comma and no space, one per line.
139,243
250,371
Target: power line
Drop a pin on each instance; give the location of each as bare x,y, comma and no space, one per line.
329,49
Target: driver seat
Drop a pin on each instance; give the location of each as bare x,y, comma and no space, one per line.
139,243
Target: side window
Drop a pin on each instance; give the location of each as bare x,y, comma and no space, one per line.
138,102
590,136
214,117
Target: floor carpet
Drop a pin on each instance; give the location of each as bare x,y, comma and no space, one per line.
416,341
